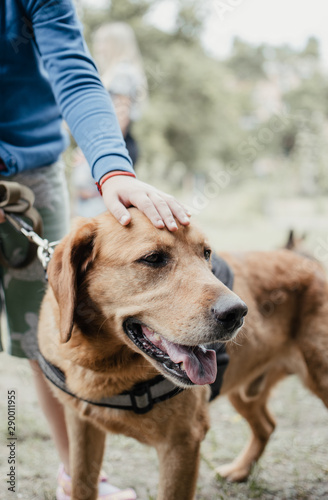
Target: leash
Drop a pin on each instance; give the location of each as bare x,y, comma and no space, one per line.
17,201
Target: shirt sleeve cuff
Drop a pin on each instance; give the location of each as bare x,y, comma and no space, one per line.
110,163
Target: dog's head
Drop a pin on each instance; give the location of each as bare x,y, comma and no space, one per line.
146,288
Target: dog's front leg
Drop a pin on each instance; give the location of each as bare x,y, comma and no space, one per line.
86,449
178,463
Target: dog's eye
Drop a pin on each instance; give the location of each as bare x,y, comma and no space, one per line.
155,259
207,253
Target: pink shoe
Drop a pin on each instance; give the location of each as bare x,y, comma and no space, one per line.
106,490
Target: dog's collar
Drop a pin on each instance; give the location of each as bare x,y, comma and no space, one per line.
140,399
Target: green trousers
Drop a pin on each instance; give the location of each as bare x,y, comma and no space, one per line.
22,290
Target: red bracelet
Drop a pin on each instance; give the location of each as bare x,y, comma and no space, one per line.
109,175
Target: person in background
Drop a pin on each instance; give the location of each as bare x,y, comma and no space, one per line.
121,69
120,65
47,74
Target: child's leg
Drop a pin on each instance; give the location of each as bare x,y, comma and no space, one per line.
53,412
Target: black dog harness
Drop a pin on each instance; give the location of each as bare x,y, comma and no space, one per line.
224,273
140,399
143,396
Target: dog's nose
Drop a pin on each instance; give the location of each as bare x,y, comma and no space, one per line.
230,313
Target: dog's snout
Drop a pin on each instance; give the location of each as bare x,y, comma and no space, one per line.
230,313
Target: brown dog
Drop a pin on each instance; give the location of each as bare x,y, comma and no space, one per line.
126,304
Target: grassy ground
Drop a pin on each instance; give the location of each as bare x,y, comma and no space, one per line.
295,464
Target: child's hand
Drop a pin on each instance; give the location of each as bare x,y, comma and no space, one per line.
121,192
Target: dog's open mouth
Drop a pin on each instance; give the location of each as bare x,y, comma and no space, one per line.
190,364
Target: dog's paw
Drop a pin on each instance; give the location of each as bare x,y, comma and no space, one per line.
233,473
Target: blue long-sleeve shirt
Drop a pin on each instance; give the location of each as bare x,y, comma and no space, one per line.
46,73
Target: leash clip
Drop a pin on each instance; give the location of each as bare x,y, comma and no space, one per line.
45,249
45,252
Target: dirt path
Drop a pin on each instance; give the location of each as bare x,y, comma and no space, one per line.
295,465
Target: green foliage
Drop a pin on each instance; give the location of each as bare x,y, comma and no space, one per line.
312,48
192,109
189,20
246,61
311,95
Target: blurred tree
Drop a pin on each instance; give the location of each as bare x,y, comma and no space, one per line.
312,48
246,60
189,20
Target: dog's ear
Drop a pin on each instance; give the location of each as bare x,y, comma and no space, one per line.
70,259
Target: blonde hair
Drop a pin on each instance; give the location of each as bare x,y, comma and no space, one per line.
114,44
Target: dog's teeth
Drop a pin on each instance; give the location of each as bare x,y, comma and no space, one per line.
181,365
156,336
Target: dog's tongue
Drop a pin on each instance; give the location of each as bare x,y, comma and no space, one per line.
199,363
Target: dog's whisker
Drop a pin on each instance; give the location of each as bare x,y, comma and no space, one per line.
102,324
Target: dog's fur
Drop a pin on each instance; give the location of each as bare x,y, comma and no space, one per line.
98,279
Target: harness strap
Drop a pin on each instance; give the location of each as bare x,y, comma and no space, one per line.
224,273
140,399
18,199
222,361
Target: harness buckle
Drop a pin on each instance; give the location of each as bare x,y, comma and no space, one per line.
141,399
